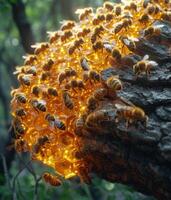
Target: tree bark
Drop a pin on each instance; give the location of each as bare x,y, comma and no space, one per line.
136,156
23,25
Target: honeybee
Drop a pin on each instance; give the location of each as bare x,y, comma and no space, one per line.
94,119
20,145
129,42
36,90
151,9
40,47
116,54
108,46
152,31
55,122
77,44
66,35
133,6
52,180
101,17
32,70
146,3
97,46
109,16
92,103
108,5
53,36
29,59
24,79
52,91
48,65
21,97
79,124
84,64
84,32
40,143
166,15
123,24
19,128
38,105
114,84
98,30
69,72
144,66
83,174
118,10
144,18
95,76
67,25
45,76
84,13
20,112
67,100
130,114
100,93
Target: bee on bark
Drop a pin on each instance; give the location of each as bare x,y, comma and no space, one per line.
52,180
114,84
116,54
130,43
152,31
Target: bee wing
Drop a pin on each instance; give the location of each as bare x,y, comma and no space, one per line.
79,11
126,41
153,63
34,46
119,106
135,39
159,25
43,102
146,57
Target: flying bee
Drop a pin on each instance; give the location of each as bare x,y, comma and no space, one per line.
52,180
108,5
45,76
144,66
21,97
94,119
98,46
92,103
40,143
40,47
67,100
100,93
95,76
36,90
130,114
53,36
116,54
118,10
24,79
66,35
144,18
32,70
152,31
52,92
129,42
20,112
67,25
29,59
48,65
84,32
19,128
84,64
38,105
114,84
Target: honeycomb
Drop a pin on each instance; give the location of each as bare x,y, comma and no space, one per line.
58,81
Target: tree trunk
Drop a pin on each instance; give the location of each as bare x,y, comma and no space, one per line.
136,156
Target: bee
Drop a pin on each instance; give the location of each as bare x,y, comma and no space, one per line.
79,124
83,174
67,100
152,31
130,114
38,105
144,18
52,180
92,103
114,84
95,76
20,145
118,10
129,42
52,92
146,3
48,65
108,46
29,59
84,13
133,6
101,17
61,77
71,50
151,9
19,128
80,84
124,24
69,72
166,15
66,35
50,118
21,97
144,66
40,47
77,44
100,93
24,79
68,25
32,70
116,54
84,64
36,90
109,17
96,21
98,45
40,143
45,76
20,112
53,36
108,6
59,124
98,30
84,32
94,119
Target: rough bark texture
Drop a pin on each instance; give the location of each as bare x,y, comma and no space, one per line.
137,156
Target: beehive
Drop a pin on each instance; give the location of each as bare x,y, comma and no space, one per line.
57,81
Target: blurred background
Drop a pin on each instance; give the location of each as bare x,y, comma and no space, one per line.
22,23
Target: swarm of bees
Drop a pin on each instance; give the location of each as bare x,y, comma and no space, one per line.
61,85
